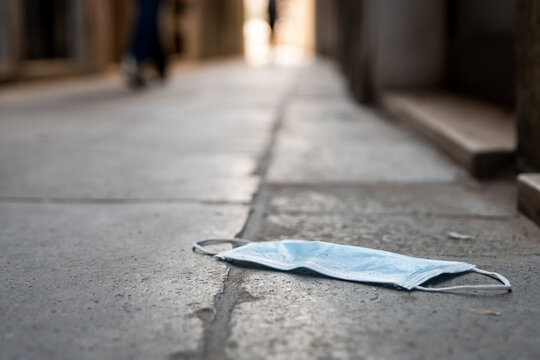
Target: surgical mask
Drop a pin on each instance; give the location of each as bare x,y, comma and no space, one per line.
349,263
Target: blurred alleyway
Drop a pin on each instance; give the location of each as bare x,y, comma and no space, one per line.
102,192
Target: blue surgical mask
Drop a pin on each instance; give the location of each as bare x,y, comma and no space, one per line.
349,263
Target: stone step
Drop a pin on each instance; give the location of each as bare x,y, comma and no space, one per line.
529,195
479,136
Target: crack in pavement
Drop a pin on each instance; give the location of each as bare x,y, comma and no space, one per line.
217,330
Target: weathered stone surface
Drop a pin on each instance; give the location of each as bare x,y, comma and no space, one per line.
471,199
321,80
299,316
75,141
94,172
335,120
344,174
102,192
101,196
108,281
409,234
351,145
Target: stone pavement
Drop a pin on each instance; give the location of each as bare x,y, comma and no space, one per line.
102,192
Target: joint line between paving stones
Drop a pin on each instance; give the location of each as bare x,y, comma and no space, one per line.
217,330
413,214
113,201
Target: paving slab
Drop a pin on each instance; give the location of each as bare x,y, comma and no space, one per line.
101,141
102,192
94,172
321,79
320,142
410,235
344,174
471,199
108,281
334,121
303,316
298,159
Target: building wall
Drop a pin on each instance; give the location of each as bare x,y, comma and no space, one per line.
44,38
326,29
481,49
467,46
219,28
528,84
410,45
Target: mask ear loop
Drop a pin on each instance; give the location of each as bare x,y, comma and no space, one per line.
198,245
506,284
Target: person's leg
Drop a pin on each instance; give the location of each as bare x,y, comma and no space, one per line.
272,16
160,59
143,41
158,53
145,29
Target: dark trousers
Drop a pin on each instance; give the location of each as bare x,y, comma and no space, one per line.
145,42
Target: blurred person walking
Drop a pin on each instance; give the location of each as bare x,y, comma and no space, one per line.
145,45
272,17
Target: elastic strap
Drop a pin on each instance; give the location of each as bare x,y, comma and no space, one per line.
506,284
198,245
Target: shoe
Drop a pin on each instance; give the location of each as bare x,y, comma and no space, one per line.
133,72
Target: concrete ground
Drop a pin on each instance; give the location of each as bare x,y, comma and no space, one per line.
102,192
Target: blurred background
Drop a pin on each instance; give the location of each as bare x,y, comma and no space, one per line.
44,38
479,57
466,46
